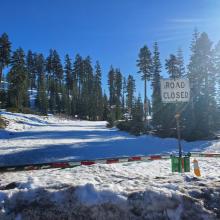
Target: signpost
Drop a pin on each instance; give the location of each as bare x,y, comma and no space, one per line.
176,91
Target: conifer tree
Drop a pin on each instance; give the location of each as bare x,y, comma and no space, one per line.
130,93
157,105
18,83
5,51
78,73
118,94
77,85
193,76
111,85
68,74
65,101
3,94
41,99
144,63
202,81
180,62
105,108
124,90
51,82
55,79
98,99
137,126
58,73
31,68
87,89
172,66
217,69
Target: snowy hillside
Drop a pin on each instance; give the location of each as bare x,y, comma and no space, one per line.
137,190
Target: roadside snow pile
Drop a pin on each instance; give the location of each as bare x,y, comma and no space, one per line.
32,139
145,190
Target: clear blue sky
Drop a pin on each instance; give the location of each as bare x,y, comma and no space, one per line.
109,31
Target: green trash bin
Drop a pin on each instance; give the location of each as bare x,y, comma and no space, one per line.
178,163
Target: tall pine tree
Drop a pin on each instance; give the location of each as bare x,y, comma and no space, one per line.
41,99
5,51
157,105
130,93
31,68
144,63
18,81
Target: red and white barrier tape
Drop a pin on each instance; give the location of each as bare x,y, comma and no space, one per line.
71,164
198,154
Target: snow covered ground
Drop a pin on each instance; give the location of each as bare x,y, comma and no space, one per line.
36,139
144,190
138,190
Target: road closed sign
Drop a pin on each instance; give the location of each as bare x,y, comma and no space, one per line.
175,90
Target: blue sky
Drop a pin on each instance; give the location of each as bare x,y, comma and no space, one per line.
109,31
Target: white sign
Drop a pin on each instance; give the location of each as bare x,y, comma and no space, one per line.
175,90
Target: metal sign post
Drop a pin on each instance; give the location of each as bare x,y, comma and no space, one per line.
177,117
174,91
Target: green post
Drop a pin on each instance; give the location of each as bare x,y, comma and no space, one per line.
178,163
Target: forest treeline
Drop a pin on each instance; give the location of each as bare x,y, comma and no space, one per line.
74,88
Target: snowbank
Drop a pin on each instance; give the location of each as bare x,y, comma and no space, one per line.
145,190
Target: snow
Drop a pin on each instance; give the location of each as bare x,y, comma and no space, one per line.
32,95
137,190
38,139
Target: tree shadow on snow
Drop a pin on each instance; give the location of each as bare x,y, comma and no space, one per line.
102,148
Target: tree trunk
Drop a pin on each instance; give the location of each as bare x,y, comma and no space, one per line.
145,100
1,70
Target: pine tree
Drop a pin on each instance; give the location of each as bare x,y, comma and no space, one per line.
31,68
3,93
111,85
68,74
180,62
77,85
217,69
124,91
78,73
50,82
203,85
41,99
172,66
58,73
18,83
144,63
98,99
87,89
54,79
5,51
130,93
157,105
137,126
105,108
65,101
194,82
118,94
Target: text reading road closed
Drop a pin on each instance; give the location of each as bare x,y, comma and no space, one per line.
177,90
